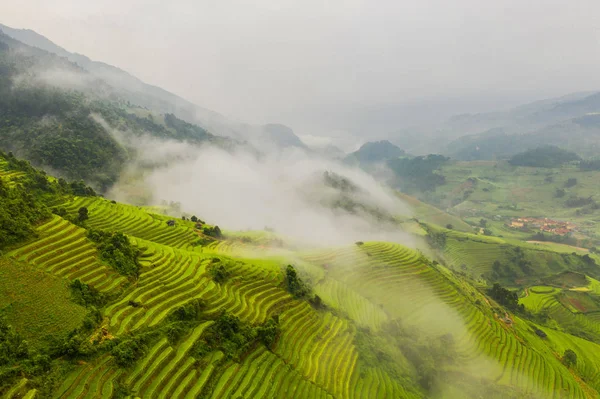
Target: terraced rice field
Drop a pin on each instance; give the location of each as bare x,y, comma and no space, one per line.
169,279
91,380
63,250
544,298
345,299
133,221
397,279
264,375
316,354
479,256
9,177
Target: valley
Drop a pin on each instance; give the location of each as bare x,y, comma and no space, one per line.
152,248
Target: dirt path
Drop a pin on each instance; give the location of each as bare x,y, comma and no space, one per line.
526,292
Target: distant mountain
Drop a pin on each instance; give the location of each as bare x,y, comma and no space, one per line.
580,134
528,117
375,151
281,135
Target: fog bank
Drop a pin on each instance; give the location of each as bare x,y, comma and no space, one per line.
286,192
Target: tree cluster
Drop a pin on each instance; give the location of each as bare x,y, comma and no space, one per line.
505,297
214,232
544,157
294,283
418,173
116,250
218,271
234,337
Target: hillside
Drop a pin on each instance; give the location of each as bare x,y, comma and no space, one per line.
76,134
374,152
206,313
126,85
110,82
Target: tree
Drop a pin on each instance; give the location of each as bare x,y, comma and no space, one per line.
571,181
570,358
295,285
487,232
483,223
83,214
449,226
560,192
194,219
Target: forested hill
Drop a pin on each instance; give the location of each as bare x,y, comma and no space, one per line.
71,131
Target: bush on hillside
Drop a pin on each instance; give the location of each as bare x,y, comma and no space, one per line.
212,231
128,351
12,346
116,250
234,337
544,157
505,297
19,211
570,358
571,182
592,164
576,202
218,271
418,173
295,285
190,311
86,295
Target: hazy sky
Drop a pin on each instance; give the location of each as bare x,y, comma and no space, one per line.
307,62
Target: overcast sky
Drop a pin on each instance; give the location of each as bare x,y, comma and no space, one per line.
307,62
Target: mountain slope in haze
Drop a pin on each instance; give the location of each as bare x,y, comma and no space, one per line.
580,134
374,152
281,135
527,117
132,89
87,135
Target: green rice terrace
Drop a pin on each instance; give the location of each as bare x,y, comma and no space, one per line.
100,299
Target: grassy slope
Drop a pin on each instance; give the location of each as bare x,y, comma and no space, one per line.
45,300
430,214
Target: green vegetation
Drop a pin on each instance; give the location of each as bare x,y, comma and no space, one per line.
294,284
505,297
544,157
418,173
115,249
374,152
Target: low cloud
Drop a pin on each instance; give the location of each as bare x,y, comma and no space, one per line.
241,191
